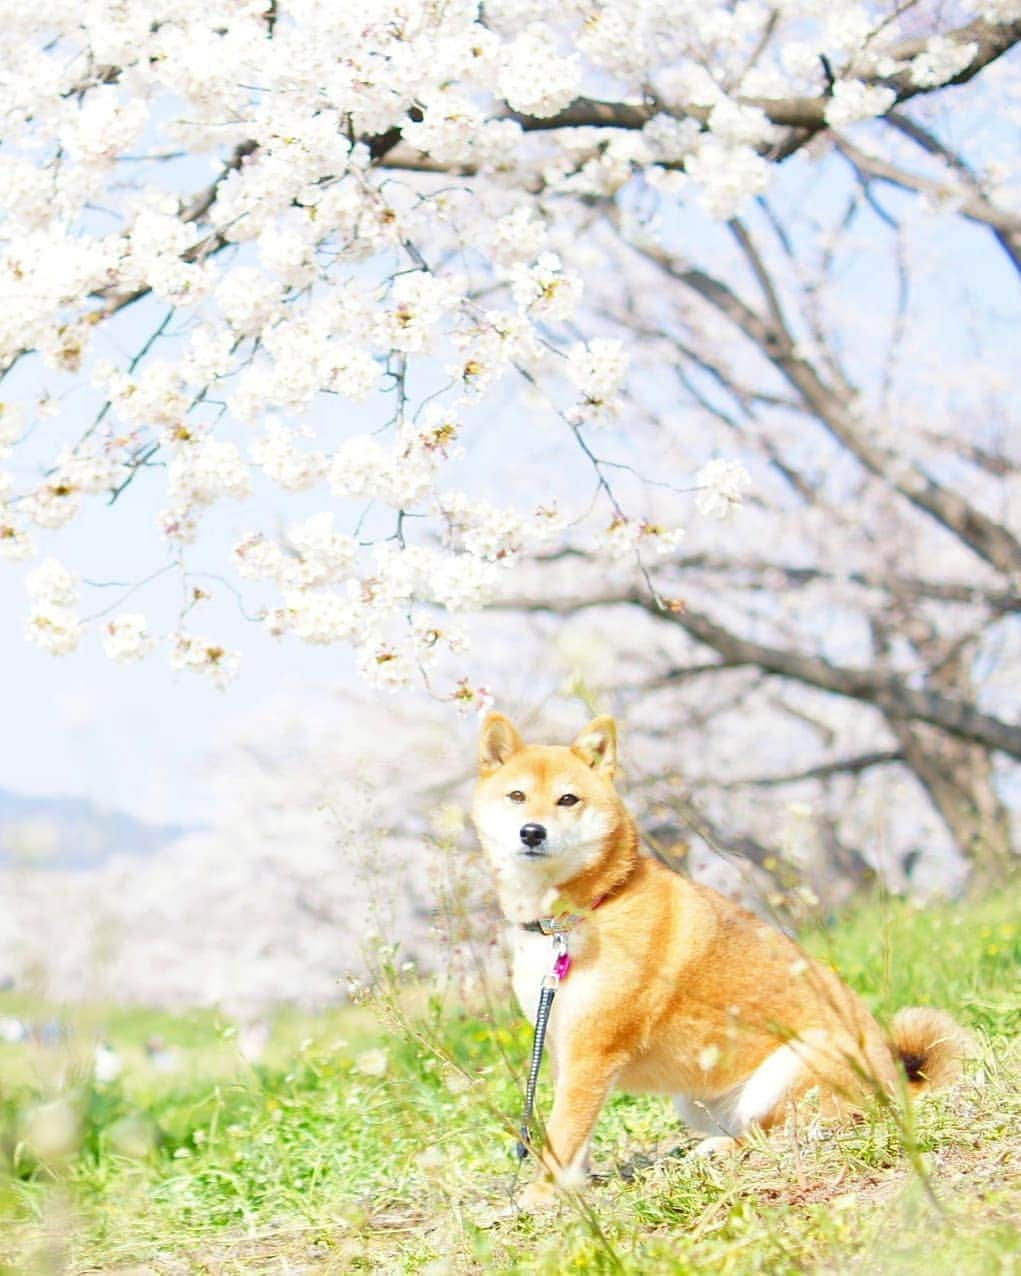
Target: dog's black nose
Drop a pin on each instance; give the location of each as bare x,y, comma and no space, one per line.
533,834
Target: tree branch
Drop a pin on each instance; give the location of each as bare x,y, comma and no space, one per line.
844,766
990,540
972,204
998,601
887,693
803,117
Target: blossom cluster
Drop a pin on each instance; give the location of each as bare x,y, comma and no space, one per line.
598,370
126,637
52,621
395,237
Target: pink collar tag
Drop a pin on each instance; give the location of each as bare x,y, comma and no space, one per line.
562,965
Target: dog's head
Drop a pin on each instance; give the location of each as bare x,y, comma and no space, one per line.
546,804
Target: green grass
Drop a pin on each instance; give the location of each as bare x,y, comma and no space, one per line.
331,1157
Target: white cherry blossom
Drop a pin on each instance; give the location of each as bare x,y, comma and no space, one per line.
721,487
279,456
624,538
55,628
545,289
854,100
15,543
535,79
126,637
51,582
204,656
599,371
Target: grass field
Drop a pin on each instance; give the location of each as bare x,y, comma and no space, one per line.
356,1144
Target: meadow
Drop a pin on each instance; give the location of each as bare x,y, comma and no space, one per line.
378,1138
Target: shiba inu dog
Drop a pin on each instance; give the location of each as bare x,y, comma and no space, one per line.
671,987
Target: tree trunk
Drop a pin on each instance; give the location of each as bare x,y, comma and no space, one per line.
958,777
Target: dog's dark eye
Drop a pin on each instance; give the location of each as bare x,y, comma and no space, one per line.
516,796
568,799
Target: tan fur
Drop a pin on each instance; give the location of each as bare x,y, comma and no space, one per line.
673,988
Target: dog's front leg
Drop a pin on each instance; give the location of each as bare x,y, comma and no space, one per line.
584,1077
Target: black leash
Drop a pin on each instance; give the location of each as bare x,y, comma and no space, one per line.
546,995
547,991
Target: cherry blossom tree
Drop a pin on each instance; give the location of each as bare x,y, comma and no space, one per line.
386,314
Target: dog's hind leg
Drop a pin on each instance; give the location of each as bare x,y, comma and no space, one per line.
761,1102
845,1073
763,1099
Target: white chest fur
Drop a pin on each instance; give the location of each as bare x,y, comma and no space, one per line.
533,957
532,960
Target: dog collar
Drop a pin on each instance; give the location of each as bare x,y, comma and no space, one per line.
561,923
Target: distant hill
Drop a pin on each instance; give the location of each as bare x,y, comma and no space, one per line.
63,832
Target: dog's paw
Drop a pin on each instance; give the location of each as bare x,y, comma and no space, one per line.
716,1147
540,1194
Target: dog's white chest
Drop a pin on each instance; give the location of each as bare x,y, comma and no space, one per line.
532,961
533,958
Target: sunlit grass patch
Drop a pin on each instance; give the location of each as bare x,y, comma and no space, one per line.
353,1145
964,958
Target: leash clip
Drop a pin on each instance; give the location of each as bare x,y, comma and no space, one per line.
561,961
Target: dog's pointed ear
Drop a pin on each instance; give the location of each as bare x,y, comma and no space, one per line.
597,746
499,741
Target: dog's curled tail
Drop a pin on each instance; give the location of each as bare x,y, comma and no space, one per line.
931,1046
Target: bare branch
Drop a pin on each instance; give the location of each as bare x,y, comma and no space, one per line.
835,408
685,673
769,573
887,693
692,817
762,277
825,771
973,205
998,601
